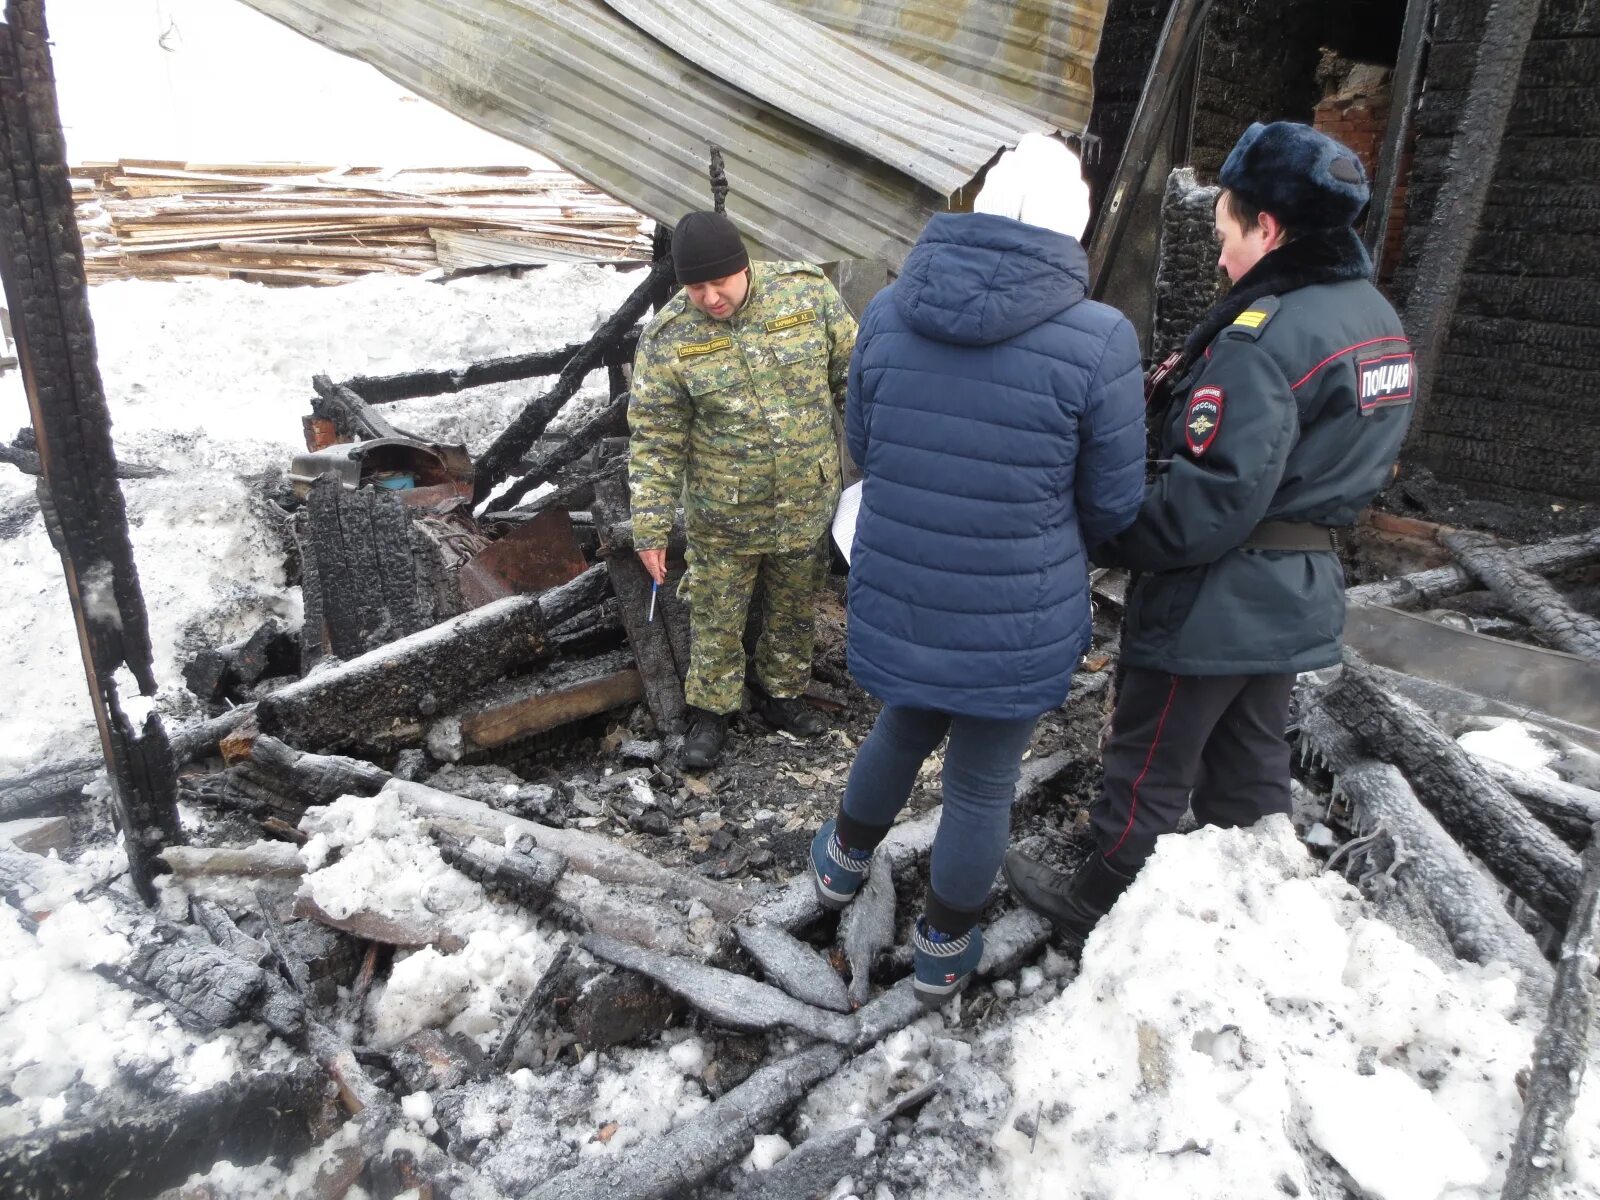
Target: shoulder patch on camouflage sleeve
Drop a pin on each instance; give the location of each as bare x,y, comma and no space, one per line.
1254,319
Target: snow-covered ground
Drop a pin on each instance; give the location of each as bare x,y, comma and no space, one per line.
1242,1025
209,379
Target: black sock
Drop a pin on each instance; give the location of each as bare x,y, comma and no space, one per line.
945,919
858,835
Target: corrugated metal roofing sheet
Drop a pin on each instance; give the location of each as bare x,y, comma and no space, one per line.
833,151
1037,54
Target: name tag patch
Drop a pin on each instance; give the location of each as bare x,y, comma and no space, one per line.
697,349
1386,379
804,317
1202,419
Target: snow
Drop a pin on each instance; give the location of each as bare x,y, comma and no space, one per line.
67,1033
1514,743
1238,1007
209,379
389,866
769,1150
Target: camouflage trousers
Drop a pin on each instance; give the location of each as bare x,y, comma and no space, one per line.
720,586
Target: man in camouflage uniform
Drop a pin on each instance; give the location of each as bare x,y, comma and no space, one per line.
735,386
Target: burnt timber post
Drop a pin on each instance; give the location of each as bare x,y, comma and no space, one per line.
1458,211
41,259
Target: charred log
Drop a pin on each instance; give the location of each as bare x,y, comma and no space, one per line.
382,697
213,674
22,795
674,1164
867,927
610,421
27,461
532,1009
316,778
526,707
1424,589
1526,594
1416,852
527,875
731,1000
1523,854
1562,1050
159,1144
792,965
1569,810
502,457
385,389
352,416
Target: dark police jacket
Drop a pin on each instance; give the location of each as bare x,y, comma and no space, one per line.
1293,409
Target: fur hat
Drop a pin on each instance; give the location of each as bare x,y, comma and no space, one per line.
1041,183
1298,174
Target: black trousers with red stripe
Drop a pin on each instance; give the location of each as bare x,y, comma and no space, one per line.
1216,742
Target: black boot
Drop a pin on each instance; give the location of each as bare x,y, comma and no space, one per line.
1075,902
702,746
793,715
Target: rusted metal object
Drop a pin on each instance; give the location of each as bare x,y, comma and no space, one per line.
529,557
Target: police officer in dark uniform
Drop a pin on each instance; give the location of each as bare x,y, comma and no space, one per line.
1280,420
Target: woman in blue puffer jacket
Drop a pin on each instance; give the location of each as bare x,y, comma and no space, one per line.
998,417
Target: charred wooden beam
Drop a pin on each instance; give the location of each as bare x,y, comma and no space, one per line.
794,966
1417,851
262,860
214,919
618,539
676,1163
213,673
352,416
316,778
732,1000
22,795
588,853
41,259
867,927
382,697
1570,810
524,708
385,389
1523,854
1526,594
1458,210
160,1143
642,616
501,458
531,1009
527,875
610,421
1424,589
1562,1050
1403,90
28,462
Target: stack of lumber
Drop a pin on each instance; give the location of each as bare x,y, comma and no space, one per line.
294,223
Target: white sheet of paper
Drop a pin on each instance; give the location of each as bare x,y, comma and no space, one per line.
844,519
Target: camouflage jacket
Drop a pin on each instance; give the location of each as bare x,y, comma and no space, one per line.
736,417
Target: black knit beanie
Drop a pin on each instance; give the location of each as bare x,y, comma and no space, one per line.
705,246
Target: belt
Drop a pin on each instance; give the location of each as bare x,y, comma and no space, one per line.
1290,535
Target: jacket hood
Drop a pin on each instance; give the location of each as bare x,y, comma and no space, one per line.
976,279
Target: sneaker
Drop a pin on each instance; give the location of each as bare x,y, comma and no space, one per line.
702,746
838,873
944,964
793,715
1074,902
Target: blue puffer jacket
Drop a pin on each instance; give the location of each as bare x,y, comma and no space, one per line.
999,419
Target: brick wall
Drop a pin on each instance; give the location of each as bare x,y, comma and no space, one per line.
1360,123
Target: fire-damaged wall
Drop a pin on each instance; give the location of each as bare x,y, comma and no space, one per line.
1515,409
1258,62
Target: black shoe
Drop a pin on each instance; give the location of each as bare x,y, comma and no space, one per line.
793,715
702,746
1074,903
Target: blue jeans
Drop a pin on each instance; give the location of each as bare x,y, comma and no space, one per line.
981,766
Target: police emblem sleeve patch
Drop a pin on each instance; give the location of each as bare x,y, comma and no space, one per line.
1385,379
1202,419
